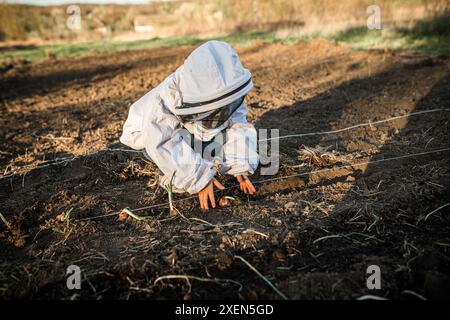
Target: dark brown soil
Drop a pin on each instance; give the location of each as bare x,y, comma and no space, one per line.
312,235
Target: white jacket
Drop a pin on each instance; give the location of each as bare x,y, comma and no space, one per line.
210,71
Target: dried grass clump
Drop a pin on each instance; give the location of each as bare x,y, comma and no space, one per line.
321,157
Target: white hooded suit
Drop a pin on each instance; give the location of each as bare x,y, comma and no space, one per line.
210,78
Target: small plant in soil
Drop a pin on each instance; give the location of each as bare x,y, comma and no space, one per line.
169,188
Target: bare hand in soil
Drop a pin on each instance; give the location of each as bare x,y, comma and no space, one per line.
208,193
245,184
122,215
224,202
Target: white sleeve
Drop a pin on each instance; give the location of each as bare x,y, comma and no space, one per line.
240,155
162,137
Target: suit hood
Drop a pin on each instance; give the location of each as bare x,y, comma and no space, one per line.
211,77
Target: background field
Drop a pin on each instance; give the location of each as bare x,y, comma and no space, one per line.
31,33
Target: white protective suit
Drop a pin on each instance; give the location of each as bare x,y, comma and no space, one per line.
211,77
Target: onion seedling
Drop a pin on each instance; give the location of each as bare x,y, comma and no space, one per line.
169,188
6,222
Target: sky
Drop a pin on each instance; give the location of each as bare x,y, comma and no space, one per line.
57,2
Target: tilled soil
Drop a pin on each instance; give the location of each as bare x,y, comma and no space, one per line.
338,204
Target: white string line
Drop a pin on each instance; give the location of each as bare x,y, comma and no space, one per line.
355,126
59,161
281,178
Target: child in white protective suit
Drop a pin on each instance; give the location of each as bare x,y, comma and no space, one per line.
193,125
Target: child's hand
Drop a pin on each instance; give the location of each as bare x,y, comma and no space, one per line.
208,193
245,184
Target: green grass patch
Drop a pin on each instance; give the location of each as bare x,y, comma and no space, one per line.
430,36
363,39
83,48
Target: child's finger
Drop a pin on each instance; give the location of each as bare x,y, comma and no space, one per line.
207,196
212,199
218,185
200,199
239,178
251,187
205,202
